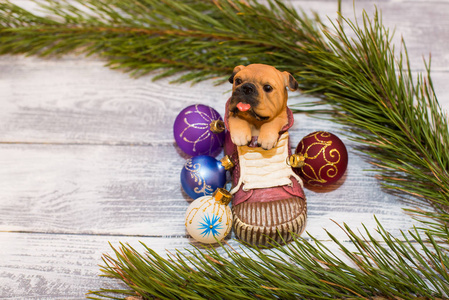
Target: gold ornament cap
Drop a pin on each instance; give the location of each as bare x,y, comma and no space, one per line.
222,196
227,162
296,161
217,126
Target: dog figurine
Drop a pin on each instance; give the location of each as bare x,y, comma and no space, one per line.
268,199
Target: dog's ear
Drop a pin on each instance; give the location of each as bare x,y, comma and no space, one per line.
236,70
290,81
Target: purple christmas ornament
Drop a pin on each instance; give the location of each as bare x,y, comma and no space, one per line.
199,130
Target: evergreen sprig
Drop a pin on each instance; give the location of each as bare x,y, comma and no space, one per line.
205,38
304,269
399,121
354,67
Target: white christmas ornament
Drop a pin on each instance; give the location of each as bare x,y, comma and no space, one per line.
209,218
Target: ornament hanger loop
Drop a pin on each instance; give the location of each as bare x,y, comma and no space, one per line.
222,196
295,160
227,162
217,126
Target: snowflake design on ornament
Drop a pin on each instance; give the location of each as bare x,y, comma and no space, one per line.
210,225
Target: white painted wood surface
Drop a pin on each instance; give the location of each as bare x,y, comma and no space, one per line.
87,157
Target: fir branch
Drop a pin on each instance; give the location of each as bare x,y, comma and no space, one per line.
305,268
196,35
400,120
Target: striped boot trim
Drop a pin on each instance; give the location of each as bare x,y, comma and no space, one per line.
264,222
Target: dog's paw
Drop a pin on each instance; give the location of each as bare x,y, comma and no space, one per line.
267,141
241,138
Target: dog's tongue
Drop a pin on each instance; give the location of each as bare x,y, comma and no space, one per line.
243,106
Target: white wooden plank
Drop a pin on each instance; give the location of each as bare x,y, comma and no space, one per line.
91,104
46,266
77,100
94,189
81,101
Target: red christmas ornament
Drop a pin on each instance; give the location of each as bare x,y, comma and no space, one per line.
320,158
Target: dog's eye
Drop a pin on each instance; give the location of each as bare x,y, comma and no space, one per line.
267,88
238,81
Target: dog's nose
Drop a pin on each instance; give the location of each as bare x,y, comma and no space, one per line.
248,88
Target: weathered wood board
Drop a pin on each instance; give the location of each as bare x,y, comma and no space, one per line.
87,157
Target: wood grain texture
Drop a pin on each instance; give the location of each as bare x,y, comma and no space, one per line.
76,100
135,190
87,156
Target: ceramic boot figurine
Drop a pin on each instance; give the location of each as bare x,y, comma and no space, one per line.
268,198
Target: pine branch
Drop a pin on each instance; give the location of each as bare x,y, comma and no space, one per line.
305,268
196,36
400,121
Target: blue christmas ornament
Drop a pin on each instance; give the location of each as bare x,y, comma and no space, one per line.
203,174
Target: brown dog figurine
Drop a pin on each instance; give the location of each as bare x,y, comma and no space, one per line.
258,104
268,199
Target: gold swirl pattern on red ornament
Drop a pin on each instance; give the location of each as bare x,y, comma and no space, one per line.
331,158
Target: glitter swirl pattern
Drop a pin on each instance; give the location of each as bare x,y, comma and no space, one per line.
192,131
195,174
325,158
